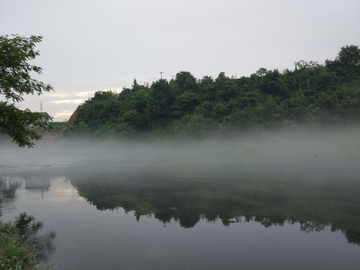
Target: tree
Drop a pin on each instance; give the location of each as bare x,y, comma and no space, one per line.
347,63
226,88
186,82
160,100
15,82
272,83
349,55
185,103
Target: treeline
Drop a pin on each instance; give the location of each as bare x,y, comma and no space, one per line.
312,94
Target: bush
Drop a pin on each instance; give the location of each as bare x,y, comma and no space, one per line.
15,253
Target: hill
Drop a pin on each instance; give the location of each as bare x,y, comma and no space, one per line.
311,95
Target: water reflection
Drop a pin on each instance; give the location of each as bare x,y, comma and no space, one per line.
8,186
33,181
190,193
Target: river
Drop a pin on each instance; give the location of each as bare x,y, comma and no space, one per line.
169,210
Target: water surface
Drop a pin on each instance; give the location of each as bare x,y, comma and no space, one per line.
221,211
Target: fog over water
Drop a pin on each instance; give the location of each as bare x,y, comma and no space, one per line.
284,200
326,148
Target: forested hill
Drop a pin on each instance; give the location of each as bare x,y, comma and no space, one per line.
312,94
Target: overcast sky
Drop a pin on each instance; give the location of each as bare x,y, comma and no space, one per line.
89,45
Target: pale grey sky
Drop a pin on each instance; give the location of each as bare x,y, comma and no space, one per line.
90,45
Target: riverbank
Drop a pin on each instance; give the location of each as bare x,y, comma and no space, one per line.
15,252
21,246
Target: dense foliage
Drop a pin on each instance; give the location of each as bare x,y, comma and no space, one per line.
15,82
311,94
14,251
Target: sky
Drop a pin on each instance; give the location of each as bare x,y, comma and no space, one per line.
92,45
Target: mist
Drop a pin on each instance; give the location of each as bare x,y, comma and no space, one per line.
326,149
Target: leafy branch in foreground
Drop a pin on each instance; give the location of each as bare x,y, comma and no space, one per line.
15,82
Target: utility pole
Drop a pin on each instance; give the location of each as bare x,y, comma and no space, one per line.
161,75
41,107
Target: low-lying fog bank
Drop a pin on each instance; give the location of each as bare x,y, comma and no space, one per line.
324,149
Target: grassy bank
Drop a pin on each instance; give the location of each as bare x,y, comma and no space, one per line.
20,246
15,252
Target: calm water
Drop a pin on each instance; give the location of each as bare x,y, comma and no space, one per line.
199,212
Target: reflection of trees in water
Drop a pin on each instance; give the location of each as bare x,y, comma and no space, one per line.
188,196
353,236
187,201
8,186
309,226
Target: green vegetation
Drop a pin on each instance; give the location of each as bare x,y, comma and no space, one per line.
20,247
312,94
15,252
59,125
15,81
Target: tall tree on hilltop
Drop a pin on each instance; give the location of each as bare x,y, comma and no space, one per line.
160,100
